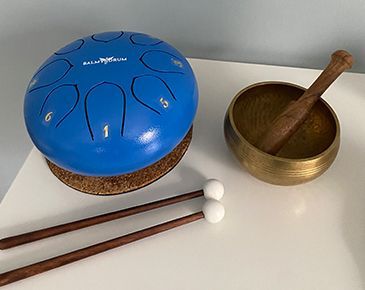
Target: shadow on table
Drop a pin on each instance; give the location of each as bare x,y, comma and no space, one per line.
185,179
188,179
352,180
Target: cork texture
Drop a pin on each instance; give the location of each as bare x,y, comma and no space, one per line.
126,182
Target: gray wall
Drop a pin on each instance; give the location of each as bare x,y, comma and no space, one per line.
283,32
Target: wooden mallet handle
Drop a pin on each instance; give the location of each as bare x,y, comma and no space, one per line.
289,121
213,212
46,265
29,237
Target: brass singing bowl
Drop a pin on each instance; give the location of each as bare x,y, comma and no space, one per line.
308,153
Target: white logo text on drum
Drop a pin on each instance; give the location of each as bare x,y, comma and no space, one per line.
105,60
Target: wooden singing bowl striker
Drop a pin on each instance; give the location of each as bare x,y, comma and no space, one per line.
308,153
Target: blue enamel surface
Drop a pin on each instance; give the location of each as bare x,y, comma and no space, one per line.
111,103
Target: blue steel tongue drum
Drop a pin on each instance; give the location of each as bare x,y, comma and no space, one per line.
112,112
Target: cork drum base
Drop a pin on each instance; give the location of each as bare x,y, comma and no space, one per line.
126,182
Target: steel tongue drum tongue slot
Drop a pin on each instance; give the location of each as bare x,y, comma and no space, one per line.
289,121
112,112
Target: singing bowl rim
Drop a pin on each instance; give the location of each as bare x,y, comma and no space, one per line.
231,120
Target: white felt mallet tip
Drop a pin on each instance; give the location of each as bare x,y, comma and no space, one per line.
213,211
213,189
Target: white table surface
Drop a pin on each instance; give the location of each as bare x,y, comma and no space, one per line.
310,236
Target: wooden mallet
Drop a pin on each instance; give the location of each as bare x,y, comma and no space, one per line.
213,211
290,120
